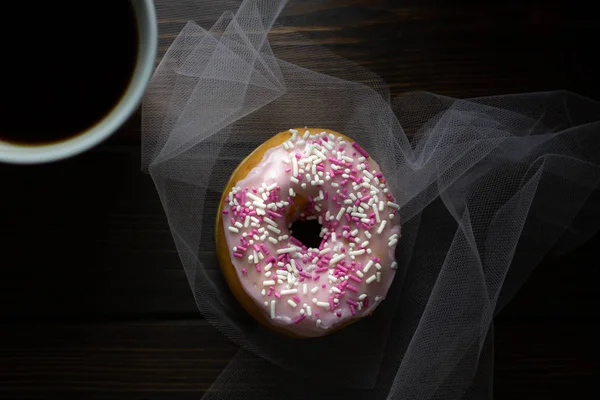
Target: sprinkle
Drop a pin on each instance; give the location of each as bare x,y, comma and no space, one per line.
238,255
335,289
340,214
381,205
336,259
268,221
381,226
287,250
268,267
309,311
362,297
378,266
368,234
368,266
359,274
295,180
304,288
272,240
393,243
233,229
354,232
393,205
394,265
272,309
371,279
378,276
288,291
299,318
325,250
352,288
358,252
269,283
354,278
294,167
360,150
323,304
292,303
318,323
314,290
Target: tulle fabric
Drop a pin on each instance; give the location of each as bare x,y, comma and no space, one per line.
487,187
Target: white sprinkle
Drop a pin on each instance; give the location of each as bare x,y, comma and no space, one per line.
371,279
393,205
259,204
340,214
368,234
234,229
268,267
354,232
314,290
246,221
359,274
256,237
332,278
285,160
318,324
323,304
368,266
362,296
309,311
336,259
359,215
268,283
381,205
288,291
333,238
393,243
272,228
346,158
238,224
272,309
357,252
381,226
353,197
254,197
377,217
325,250
365,220
335,289
273,240
361,159
368,174
293,264
378,266
391,216
294,167
304,288
334,184
294,179
369,251
303,185
394,236
378,277
291,192
394,265
364,244
287,250
292,303
336,300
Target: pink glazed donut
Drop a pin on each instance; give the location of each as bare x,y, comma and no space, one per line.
308,174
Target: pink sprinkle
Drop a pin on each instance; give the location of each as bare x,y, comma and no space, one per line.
360,150
320,167
277,295
296,299
225,212
352,310
254,189
339,313
341,148
344,284
244,270
256,247
299,318
271,259
376,259
335,161
343,182
350,301
305,274
258,267
316,277
274,214
351,288
331,303
355,278
295,241
298,156
317,314
323,286
288,169
242,248
264,248
345,270
270,291
343,250
325,139
238,255
322,269
252,213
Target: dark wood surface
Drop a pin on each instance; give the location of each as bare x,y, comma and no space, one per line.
94,303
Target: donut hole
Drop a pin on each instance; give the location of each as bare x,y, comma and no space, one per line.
307,232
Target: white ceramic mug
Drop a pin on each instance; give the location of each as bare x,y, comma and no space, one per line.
148,39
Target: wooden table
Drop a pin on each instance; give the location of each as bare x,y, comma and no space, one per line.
94,303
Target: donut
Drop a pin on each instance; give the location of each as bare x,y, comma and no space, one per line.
298,176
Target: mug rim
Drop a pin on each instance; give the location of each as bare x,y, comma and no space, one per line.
145,15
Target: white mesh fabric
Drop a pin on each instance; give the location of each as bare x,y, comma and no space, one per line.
487,187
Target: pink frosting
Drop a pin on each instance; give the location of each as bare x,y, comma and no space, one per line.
311,291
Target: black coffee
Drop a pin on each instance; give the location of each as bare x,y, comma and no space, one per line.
65,65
